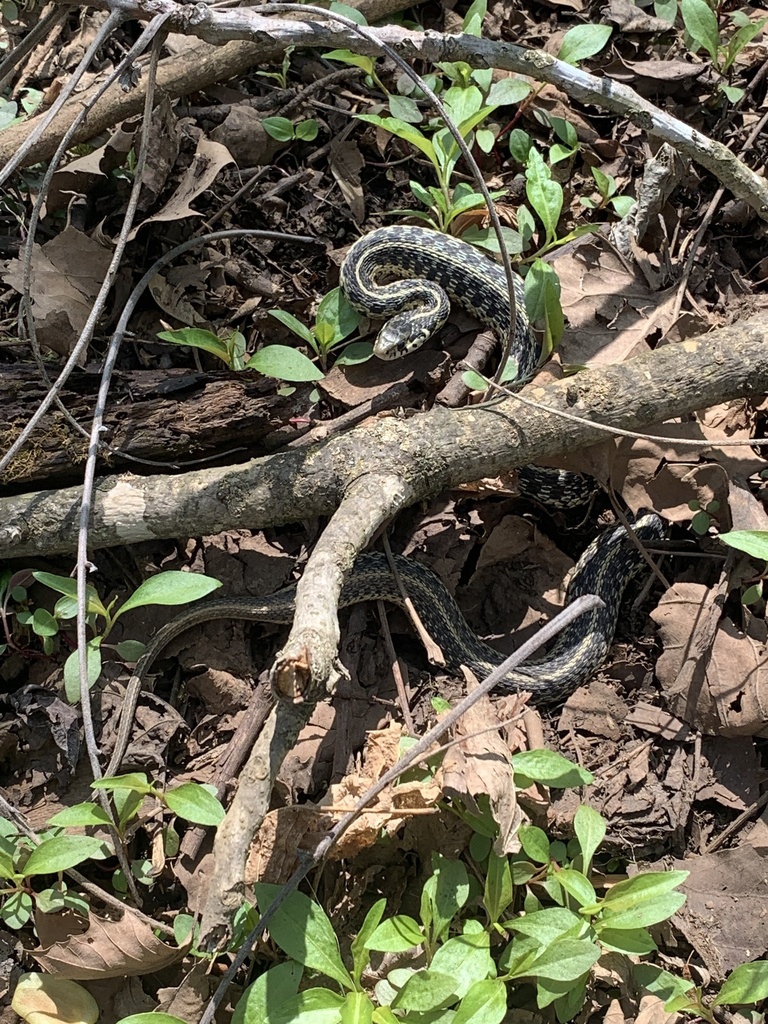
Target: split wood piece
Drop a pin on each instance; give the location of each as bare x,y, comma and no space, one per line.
168,416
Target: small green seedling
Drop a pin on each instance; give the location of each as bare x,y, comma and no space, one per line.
755,544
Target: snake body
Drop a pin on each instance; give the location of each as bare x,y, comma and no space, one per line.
604,569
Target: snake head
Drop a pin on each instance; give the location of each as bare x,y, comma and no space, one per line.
407,331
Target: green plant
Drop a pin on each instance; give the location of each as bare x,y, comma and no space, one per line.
283,130
281,76
22,860
469,956
607,188
703,29
30,100
166,588
335,320
755,544
704,516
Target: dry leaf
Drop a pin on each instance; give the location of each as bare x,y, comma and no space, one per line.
109,949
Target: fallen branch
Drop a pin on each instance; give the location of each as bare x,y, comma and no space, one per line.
444,448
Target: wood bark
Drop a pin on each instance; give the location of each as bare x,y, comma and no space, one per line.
443,448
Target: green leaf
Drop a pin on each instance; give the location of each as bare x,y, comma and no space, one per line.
485,139
535,843
284,363
17,910
583,41
360,955
72,669
565,132
606,183
130,650
290,321
356,353
403,131
424,991
466,959
80,815
622,204
520,144
153,1017
548,925
558,153
474,381
170,588
498,891
666,10
263,999
652,911
648,885
312,1006
746,984
446,892
280,128
565,960
421,193
739,40
357,1008
60,853
630,942
589,827
508,92
544,194
136,781
357,60
302,929
67,586
701,25
473,19
307,130
195,337
43,623
194,802
348,12
752,542
731,92
542,301
485,1003
463,104
550,768
395,935
336,311
405,109
752,594
659,982
7,857
569,1004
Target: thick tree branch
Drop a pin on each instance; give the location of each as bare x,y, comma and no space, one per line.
441,449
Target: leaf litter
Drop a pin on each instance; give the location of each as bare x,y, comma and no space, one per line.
636,724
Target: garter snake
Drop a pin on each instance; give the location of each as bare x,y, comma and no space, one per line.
604,569
430,268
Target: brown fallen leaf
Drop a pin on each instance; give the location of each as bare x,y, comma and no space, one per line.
209,159
478,766
67,273
109,949
724,917
714,675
